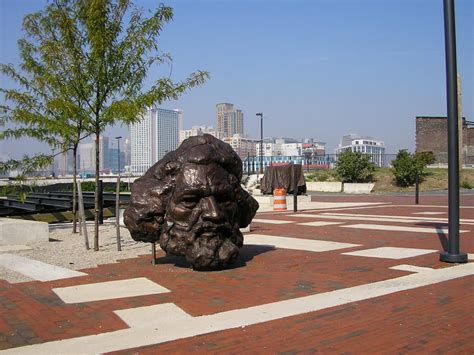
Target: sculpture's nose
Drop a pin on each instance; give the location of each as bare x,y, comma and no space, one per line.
210,210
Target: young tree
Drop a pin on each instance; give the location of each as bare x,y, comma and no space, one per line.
105,49
406,167
354,167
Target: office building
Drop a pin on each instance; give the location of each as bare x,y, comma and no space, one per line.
229,121
365,145
156,134
243,146
87,156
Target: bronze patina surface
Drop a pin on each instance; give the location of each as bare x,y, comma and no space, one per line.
192,203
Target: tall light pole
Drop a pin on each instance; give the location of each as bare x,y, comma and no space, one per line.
261,140
452,255
118,153
52,165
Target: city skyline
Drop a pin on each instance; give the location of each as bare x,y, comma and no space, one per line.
315,69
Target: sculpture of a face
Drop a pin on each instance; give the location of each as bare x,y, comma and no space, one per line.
203,208
193,204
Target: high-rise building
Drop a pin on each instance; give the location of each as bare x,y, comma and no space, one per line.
229,121
156,134
63,163
87,155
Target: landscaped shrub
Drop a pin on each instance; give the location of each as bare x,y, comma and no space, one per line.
407,166
355,167
466,185
427,158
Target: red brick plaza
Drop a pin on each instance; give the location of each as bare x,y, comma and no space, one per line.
344,278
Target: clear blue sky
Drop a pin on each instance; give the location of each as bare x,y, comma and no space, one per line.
315,68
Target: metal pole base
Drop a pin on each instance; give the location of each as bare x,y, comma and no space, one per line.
153,253
453,258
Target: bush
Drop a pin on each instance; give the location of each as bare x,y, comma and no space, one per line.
355,167
466,185
407,166
427,158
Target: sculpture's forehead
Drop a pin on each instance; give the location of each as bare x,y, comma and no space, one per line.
202,176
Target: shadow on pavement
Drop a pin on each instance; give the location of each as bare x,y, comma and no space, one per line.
442,236
246,254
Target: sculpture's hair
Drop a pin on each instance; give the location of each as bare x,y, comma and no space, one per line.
145,214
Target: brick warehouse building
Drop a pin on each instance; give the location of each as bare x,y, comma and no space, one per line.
432,136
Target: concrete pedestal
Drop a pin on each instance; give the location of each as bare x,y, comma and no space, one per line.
18,231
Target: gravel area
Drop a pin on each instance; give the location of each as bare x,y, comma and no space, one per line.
67,250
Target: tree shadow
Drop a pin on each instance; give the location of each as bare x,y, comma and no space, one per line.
246,254
442,236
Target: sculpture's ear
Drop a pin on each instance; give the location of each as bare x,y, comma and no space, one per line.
248,207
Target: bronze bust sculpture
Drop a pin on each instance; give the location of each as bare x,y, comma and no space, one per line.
191,201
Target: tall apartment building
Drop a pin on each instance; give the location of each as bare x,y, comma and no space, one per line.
63,163
229,121
365,145
243,146
156,134
87,155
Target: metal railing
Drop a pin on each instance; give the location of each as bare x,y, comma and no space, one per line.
251,164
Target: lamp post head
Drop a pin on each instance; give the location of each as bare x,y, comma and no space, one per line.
118,137
259,114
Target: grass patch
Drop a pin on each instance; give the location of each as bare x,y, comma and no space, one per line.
436,179
321,175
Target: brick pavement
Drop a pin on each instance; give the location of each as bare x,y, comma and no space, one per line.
434,318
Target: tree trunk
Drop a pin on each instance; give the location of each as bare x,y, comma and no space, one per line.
74,189
96,195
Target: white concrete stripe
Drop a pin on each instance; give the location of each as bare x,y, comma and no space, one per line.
109,290
271,221
184,327
316,206
435,206
305,215
295,243
35,269
319,223
411,268
6,248
152,316
401,228
376,205
353,217
390,252
413,218
428,213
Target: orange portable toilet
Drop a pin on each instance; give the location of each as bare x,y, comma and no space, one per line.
279,199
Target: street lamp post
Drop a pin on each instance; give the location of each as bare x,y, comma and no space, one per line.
118,153
453,254
261,140
117,198
52,165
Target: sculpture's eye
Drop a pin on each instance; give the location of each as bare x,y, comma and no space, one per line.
189,201
224,199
